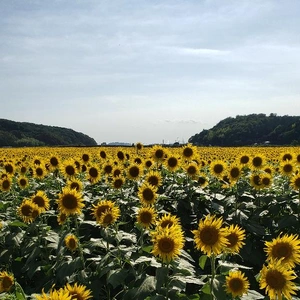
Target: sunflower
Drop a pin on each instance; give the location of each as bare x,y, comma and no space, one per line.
189,152
68,168
255,181
266,179
154,178
85,158
40,198
257,162
286,156
236,283
158,153
5,184
107,168
101,207
234,172
70,201
75,184
103,154
168,220
147,194
23,182
61,218
39,172
78,291
287,168
23,168
210,238
139,146
192,169
71,242
28,211
202,180
276,279
167,243
295,182
121,155
118,182
217,168
54,162
146,216
60,294
134,171
9,168
285,248
109,216
172,163
117,171
244,159
6,281
235,236
148,163
93,174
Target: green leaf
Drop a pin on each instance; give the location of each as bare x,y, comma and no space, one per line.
252,295
206,288
202,261
161,277
20,295
17,224
117,277
146,288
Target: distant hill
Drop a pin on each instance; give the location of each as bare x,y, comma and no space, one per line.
18,134
250,130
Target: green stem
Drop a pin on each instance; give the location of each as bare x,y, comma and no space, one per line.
79,244
213,274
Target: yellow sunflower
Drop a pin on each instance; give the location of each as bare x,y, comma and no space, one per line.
295,182
236,283
5,184
6,281
68,168
54,162
285,248
146,216
244,159
101,207
71,242
107,168
139,146
23,182
235,236
134,171
85,158
266,179
257,162
276,279
192,169
147,194
39,171
167,243
172,162
78,291
28,211
217,168
61,218
70,201
41,200
287,168
103,154
60,294
255,181
168,220
154,178
109,216
93,174
234,172
189,152
75,184
148,163
202,180
9,168
118,182
210,238
158,153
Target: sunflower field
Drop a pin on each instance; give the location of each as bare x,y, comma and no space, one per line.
151,222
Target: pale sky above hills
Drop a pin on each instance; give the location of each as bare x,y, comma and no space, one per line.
147,71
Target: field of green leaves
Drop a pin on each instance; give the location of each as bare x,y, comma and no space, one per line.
150,223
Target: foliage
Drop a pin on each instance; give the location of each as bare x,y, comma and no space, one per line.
251,130
18,134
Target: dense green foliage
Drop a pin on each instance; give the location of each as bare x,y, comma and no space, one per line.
19,134
250,130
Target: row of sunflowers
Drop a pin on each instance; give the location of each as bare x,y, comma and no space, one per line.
151,222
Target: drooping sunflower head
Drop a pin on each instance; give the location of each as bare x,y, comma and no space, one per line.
61,218
154,178
70,201
101,207
285,248
6,281
41,200
28,211
236,283
167,243
78,291
210,238
147,194
71,242
235,236
276,279
109,216
146,216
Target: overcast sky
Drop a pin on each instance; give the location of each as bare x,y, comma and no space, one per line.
144,70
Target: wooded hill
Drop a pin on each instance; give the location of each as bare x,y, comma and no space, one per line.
18,134
253,129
